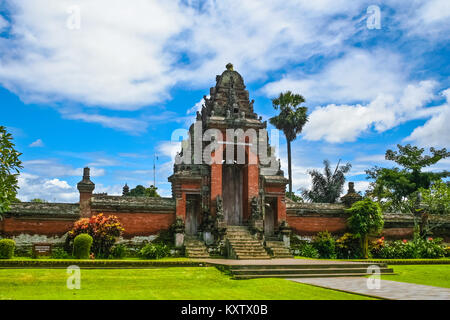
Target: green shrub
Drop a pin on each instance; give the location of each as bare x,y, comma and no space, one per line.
118,251
307,250
104,230
325,245
414,249
348,247
60,254
82,246
7,247
154,251
447,251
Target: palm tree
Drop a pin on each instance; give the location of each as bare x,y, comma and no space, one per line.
291,120
327,187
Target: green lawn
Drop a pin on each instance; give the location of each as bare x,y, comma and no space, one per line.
433,275
164,283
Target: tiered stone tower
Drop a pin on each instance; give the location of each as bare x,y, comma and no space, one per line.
244,184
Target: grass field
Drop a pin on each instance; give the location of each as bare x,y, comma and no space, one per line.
163,283
433,275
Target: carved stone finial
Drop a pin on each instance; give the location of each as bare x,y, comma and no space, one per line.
352,196
229,67
86,185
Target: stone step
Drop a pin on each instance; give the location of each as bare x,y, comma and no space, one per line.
251,253
196,249
245,242
275,244
310,266
289,276
307,271
266,257
242,249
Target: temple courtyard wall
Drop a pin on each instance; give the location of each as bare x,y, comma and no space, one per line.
143,219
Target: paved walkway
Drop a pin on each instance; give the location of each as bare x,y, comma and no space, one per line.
391,290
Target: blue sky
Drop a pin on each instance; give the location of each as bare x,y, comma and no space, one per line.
104,83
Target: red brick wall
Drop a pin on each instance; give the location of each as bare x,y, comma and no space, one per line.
13,226
310,226
398,233
143,224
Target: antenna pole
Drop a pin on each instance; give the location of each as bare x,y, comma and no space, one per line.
154,169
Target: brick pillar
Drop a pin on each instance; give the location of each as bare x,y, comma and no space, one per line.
252,187
181,206
85,187
281,209
216,183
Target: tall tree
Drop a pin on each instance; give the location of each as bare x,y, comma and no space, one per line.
327,186
9,170
365,219
290,120
141,191
391,187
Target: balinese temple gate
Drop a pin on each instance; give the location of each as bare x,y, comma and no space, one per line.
226,174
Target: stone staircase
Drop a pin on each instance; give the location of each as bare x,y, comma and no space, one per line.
278,250
242,245
195,248
253,271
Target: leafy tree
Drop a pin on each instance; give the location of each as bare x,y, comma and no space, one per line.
327,187
9,170
365,219
294,197
392,187
37,200
436,199
141,191
290,120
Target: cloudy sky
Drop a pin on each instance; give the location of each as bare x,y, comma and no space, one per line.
104,83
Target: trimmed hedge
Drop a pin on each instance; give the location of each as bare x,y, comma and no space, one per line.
7,247
406,261
82,246
97,264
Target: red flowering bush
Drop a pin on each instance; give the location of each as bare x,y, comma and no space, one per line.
104,230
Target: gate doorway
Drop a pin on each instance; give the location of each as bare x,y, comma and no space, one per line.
232,188
193,214
270,216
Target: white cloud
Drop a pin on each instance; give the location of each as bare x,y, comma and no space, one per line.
360,186
340,123
125,56
52,168
428,19
169,149
53,190
132,126
197,107
357,76
436,131
37,144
